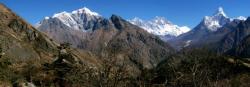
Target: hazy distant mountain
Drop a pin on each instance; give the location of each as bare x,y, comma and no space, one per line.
161,27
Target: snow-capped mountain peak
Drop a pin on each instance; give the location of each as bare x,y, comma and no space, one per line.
220,12
241,18
85,10
160,20
137,20
64,13
65,18
217,20
80,19
160,26
46,18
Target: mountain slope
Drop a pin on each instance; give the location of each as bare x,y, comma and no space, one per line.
140,46
20,40
236,42
243,50
29,57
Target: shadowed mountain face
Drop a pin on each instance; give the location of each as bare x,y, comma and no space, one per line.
138,45
243,50
20,40
114,36
236,42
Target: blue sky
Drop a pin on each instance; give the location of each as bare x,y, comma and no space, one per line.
180,12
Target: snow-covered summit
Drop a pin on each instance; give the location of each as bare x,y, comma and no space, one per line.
160,26
217,20
160,20
85,10
220,12
46,17
80,19
241,18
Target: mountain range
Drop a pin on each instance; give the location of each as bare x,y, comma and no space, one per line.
82,48
87,30
84,19
79,28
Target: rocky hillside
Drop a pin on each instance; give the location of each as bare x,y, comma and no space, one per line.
19,40
26,54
